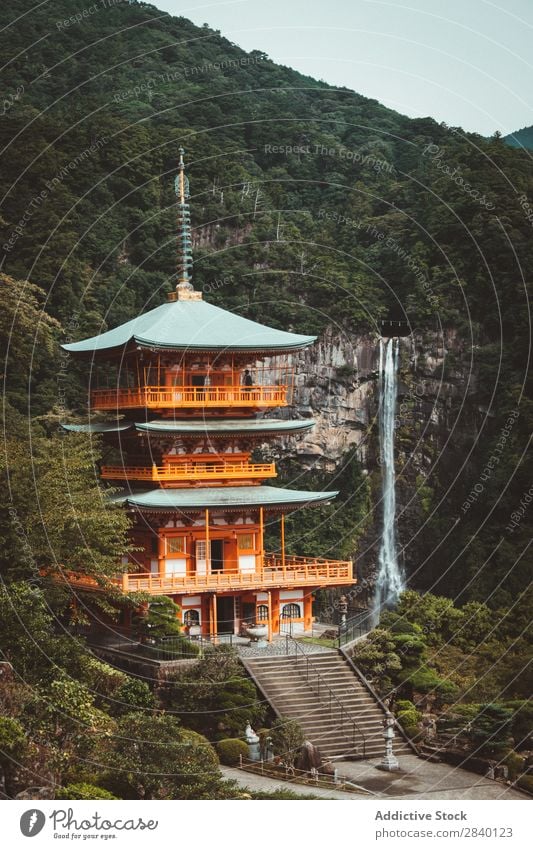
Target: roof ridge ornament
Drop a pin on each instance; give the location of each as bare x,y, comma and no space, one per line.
184,289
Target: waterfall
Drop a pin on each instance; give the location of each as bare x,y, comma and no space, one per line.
390,580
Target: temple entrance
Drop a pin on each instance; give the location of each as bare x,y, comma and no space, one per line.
225,614
217,555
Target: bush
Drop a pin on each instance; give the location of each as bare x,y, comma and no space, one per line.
132,693
408,717
426,680
287,738
404,704
12,737
412,731
515,764
83,791
230,750
521,722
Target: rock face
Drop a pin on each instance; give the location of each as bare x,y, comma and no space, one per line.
337,385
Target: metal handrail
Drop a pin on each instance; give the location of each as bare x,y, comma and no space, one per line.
364,680
355,626
322,683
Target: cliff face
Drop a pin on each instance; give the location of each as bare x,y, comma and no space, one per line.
338,386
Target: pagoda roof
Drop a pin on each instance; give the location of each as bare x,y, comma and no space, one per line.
225,497
192,427
192,325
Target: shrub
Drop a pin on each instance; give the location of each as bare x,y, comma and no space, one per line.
399,625
132,693
412,731
404,704
83,791
515,764
230,750
521,722
408,718
12,737
287,737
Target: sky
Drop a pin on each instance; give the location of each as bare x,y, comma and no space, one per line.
466,62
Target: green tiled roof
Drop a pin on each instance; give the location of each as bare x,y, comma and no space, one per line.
209,427
216,427
98,427
193,325
223,496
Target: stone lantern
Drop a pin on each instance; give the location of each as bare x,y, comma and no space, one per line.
390,761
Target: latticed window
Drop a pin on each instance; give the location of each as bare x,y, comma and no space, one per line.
262,612
191,617
291,611
245,542
175,545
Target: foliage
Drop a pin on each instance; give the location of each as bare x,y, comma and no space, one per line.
408,718
214,696
377,658
84,791
230,750
12,739
281,793
521,722
491,729
160,620
153,757
287,738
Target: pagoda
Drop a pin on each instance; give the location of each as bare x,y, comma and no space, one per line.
187,388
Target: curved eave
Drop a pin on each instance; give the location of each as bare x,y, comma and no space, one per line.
224,498
229,347
205,427
98,427
194,325
118,350
226,428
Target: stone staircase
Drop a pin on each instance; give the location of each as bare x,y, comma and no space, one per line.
328,699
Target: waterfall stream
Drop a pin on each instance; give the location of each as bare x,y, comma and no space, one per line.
390,581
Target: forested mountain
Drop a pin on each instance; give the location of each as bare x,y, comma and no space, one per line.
314,209
521,138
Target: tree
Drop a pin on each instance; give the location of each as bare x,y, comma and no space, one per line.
215,696
153,757
287,738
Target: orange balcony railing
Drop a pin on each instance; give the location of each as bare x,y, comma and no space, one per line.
295,572
171,397
192,472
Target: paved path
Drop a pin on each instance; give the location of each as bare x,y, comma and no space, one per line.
416,779
420,779
247,780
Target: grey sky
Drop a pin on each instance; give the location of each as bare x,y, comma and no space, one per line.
466,62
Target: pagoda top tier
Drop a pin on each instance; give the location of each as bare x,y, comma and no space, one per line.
187,324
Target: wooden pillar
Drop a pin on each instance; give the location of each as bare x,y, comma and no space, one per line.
207,544
214,632
283,541
161,542
269,603
275,611
308,610
261,533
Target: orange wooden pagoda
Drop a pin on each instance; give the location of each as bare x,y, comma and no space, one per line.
192,389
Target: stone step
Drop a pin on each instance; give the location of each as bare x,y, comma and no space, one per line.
326,717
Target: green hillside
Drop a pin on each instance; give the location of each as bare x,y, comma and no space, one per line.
521,138
313,208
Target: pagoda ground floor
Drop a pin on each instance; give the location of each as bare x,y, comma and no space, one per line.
215,614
